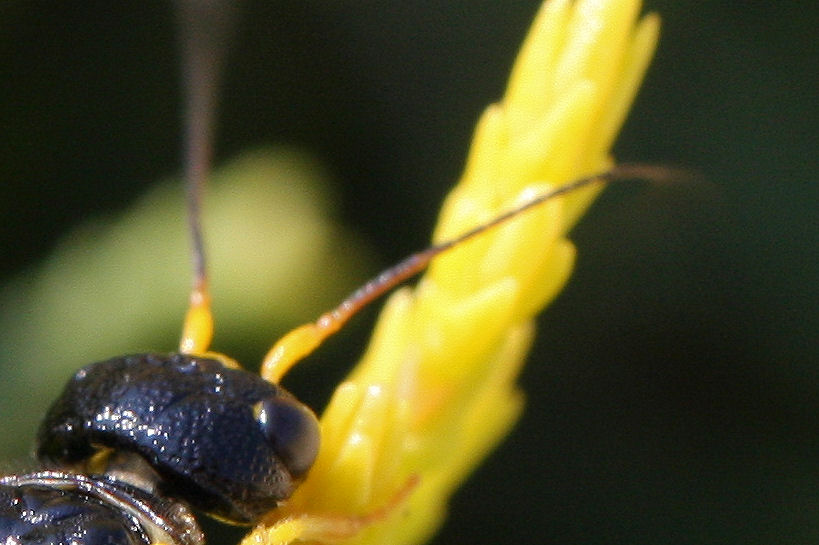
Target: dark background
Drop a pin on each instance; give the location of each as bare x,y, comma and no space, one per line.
673,390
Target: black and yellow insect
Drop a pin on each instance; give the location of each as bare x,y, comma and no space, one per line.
110,441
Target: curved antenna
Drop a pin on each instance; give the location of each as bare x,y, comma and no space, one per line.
205,27
303,340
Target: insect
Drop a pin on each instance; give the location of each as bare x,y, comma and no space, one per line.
134,442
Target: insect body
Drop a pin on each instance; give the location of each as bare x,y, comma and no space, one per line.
222,440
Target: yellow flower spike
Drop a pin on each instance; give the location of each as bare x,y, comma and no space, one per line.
435,392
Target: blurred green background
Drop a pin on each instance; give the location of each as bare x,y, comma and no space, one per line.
674,388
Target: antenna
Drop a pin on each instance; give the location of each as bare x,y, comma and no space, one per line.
205,27
303,340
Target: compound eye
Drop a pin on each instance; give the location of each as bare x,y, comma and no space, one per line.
292,430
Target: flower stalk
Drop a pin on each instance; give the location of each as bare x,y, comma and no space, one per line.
436,390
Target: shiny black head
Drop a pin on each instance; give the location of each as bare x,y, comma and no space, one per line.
224,440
